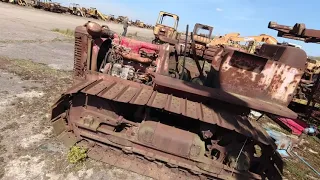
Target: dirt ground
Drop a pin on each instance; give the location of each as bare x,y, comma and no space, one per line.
27,35
35,68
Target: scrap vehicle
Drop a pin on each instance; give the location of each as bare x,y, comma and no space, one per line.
19,2
252,43
309,87
48,5
120,19
75,9
165,33
139,23
222,40
23,2
196,46
309,78
128,107
112,18
94,13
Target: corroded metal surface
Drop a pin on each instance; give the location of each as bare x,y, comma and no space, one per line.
201,93
269,78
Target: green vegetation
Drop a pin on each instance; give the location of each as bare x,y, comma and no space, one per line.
77,154
66,32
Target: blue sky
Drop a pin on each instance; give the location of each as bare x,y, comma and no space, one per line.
248,17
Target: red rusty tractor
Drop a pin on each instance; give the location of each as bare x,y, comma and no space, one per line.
130,108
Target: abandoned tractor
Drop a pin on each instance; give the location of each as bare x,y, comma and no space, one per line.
198,41
165,30
129,107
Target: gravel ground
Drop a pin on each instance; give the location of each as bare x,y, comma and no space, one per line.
35,66
25,33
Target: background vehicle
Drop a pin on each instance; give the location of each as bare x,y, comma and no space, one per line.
165,33
75,9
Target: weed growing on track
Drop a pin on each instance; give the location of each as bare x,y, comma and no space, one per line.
77,154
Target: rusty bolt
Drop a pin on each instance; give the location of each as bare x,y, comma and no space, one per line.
207,134
88,120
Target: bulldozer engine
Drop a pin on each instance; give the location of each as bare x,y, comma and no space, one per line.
131,111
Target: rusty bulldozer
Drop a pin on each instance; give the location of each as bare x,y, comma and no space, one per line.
130,108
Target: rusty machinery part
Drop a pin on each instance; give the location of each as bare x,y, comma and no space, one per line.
306,86
297,32
307,82
201,38
133,108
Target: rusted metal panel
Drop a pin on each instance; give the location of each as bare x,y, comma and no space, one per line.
81,85
114,91
98,87
266,77
142,97
200,92
128,94
158,100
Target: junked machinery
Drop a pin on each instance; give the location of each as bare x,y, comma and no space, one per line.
48,5
165,30
131,109
75,9
308,90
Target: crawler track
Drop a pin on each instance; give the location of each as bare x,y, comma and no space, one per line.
90,111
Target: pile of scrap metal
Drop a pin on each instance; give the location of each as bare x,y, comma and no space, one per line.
120,19
138,23
131,109
141,24
308,92
91,12
19,2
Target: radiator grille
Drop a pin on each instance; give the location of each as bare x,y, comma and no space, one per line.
80,54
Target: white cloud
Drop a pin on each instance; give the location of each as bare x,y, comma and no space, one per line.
219,9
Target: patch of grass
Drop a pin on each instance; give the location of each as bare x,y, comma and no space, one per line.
296,170
54,83
29,70
66,32
77,154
